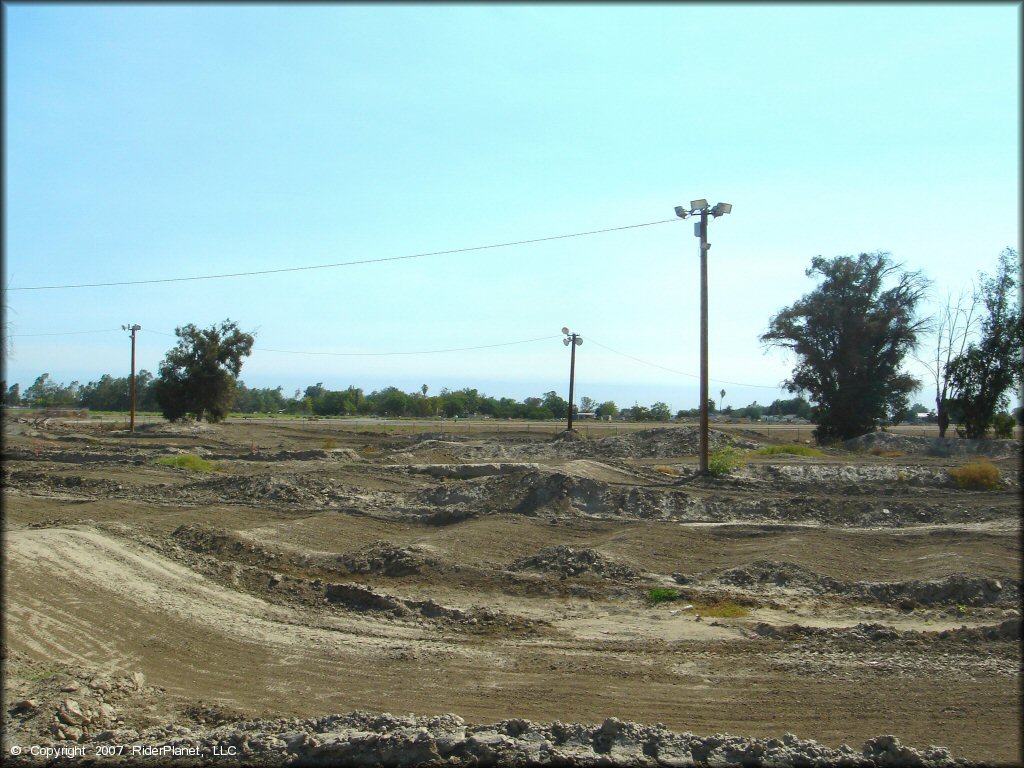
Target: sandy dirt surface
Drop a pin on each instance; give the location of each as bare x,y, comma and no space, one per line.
503,576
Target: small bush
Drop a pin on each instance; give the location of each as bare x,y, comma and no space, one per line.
190,461
724,460
666,470
977,476
662,594
328,443
795,450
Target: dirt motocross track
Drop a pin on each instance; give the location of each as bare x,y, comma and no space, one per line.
504,575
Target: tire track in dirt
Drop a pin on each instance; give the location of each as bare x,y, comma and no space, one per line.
85,569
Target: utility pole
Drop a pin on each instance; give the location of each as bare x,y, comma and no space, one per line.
701,231
704,246
131,387
574,340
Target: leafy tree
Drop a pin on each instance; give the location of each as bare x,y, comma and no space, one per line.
390,401
851,334
197,376
588,405
556,404
639,413
46,393
981,376
660,412
13,395
608,408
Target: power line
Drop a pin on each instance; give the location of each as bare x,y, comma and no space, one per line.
64,333
681,373
384,354
419,352
340,263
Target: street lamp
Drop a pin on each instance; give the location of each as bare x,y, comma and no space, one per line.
700,229
574,340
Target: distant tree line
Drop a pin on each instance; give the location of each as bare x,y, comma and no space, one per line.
110,393
850,336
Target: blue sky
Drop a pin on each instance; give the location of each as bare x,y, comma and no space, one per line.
157,141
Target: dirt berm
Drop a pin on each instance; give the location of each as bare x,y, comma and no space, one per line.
362,739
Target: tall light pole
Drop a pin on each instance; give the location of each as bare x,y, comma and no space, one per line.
700,229
571,340
131,386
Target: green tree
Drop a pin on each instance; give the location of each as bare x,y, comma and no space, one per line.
46,393
13,395
197,377
850,336
982,375
556,404
660,412
639,413
607,408
106,394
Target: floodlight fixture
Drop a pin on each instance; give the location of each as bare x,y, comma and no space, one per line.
579,341
721,208
565,341
681,212
697,205
565,331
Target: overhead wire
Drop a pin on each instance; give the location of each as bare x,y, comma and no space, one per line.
681,373
428,352
64,333
385,354
340,263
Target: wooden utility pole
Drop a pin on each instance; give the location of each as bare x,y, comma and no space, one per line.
571,340
131,386
700,229
704,340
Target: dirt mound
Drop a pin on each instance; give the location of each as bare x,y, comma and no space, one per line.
178,428
312,454
570,561
1007,631
294,489
44,480
557,494
849,479
664,442
385,558
217,541
957,589
362,738
935,446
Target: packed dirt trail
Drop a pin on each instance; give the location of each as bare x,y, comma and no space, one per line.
321,571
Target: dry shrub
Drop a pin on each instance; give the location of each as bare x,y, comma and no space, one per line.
666,470
720,607
977,476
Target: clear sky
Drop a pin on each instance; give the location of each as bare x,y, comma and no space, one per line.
158,141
